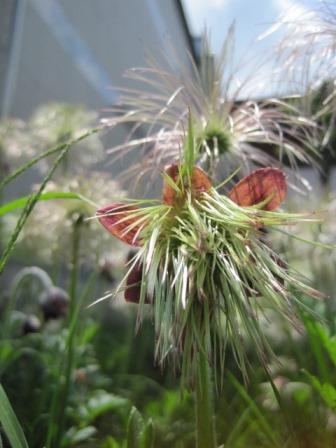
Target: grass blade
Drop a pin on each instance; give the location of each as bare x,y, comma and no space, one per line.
21,202
135,428
34,198
264,424
10,423
54,150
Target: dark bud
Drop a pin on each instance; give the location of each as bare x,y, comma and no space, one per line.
106,268
131,254
133,285
54,303
31,324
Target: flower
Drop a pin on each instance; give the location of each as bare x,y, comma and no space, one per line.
306,62
203,265
306,49
228,129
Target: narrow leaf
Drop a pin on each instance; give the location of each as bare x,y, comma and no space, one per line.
56,149
21,202
135,428
32,201
10,423
147,438
170,188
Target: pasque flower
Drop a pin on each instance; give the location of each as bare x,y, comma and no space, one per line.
231,126
203,265
306,53
306,49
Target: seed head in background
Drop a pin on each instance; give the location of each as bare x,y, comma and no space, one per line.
306,47
305,63
231,127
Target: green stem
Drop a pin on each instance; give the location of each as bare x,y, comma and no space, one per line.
204,409
74,266
72,327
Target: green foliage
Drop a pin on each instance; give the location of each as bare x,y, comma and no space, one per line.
326,390
21,202
10,423
140,434
134,429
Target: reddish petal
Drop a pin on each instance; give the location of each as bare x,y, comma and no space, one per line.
133,285
262,184
114,218
200,183
168,192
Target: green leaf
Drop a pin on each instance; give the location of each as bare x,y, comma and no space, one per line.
328,394
258,414
171,182
83,434
110,442
10,423
135,429
102,402
21,202
147,438
328,342
189,149
318,339
326,390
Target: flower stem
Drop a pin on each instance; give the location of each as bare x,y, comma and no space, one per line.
204,406
72,332
74,266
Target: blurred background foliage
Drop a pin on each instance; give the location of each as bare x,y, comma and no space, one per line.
79,376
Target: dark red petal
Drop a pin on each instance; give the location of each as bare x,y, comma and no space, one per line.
114,218
200,183
262,184
133,285
168,193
